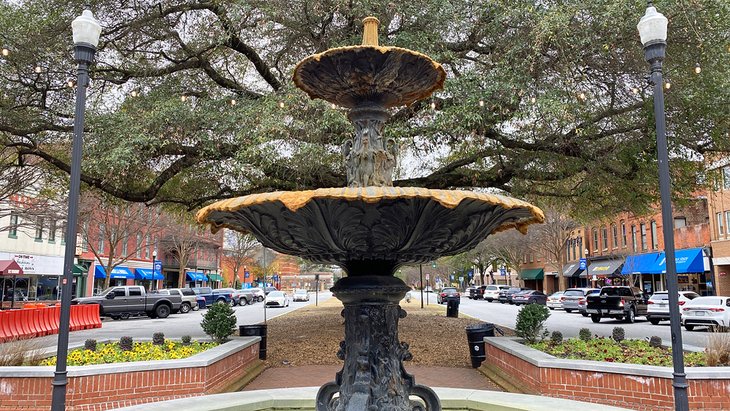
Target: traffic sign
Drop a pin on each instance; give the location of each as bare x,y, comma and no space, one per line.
157,268
428,276
583,263
502,272
246,274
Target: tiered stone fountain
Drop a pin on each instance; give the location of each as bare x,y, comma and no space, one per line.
370,228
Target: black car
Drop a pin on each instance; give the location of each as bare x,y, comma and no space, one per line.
529,297
505,296
447,292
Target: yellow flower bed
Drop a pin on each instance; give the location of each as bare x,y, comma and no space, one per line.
141,351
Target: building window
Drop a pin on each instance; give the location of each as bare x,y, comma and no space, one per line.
726,177
64,227
52,231
125,239
532,257
100,248
139,245
680,222
633,238
642,229
727,218
604,237
14,221
623,234
720,226
85,238
595,239
39,229
614,230
147,251
654,237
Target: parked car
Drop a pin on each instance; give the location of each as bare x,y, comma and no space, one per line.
706,311
212,296
554,300
471,292
122,301
267,290
479,294
227,295
258,293
617,302
277,299
575,299
427,289
244,297
187,298
505,296
529,297
301,295
491,292
447,292
658,305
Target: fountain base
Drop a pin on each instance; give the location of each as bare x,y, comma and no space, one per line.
373,376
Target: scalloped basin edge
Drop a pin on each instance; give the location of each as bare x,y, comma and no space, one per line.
303,399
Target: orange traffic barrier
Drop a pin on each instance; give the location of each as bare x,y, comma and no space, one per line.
96,316
34,323
73,321
53,315
5,333
23,319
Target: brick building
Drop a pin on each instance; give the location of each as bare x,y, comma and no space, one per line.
718,201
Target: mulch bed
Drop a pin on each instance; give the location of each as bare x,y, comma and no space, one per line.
311,336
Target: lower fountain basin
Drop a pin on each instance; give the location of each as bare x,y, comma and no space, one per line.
302,399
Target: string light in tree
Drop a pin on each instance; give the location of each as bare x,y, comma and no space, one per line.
334,106
183,98
698,69
38,69
233,101
134,93
635,90
71,83
281,104
533,100
481,103
668,85
6,52
582,96
433,106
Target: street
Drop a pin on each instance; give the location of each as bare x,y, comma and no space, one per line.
176,325
570,324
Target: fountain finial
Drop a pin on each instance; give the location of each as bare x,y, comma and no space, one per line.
370,31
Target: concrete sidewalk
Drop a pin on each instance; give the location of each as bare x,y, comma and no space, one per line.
317,375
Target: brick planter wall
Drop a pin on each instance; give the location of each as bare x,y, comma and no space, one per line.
639,387
102,387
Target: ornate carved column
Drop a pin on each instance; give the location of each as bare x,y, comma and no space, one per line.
373,376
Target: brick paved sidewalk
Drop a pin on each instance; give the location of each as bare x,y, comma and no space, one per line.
316,375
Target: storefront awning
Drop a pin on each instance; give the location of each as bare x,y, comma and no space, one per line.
10,267
117,273
572,270
688,261
215,277
147,274
78,269
605,268
532,274
639,264
196,276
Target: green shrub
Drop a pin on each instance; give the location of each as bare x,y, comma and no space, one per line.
219,322
126,343
185,340
90,344
655,341
556,337
530,320
618,334
585,334
158,338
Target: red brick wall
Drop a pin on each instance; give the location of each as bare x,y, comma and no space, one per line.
105,391
629,391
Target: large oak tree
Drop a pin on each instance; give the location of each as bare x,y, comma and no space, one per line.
543,98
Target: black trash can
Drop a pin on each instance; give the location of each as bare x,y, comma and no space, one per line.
452,307
255,330
475,336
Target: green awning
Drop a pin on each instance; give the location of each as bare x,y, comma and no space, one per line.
79,269
532,274
215,277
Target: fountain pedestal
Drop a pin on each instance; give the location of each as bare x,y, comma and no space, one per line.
373,376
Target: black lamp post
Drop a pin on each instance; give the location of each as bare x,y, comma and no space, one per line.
653,31
86,31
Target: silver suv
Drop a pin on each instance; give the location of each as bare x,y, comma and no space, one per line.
574,299
187,296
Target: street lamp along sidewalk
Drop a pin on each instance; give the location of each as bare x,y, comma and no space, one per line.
86,32
653,32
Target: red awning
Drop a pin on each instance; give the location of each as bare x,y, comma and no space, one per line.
10,267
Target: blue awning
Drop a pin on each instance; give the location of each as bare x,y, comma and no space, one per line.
640,264
690,260
117,272
147,274
196,276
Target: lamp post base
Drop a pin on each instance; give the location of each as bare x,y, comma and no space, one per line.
373,376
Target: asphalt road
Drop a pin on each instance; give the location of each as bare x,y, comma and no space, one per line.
176,325
570,324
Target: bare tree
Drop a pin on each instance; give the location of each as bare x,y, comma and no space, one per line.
108,224
182,237
510,247
239,249
551,238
